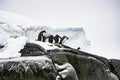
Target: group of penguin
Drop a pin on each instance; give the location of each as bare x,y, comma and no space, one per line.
51,39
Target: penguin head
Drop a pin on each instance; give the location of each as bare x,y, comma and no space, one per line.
66,37
63,39
57,36
51,37
43,31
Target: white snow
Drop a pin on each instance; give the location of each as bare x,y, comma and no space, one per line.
13,27
76,37
12,47
45,45
68,71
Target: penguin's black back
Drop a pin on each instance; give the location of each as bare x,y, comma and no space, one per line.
40,36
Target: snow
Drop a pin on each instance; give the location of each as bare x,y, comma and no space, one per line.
46,46
76,37
14,28
67,70
12,47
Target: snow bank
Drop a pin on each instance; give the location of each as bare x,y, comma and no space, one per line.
12,47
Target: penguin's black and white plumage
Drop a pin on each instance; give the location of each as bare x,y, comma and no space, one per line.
51,39
57,38
63,39
41,37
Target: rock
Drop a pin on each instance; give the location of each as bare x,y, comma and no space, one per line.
86,67
27,68
36,63
115,65
31,49
67,71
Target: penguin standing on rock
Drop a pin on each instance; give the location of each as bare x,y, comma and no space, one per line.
41,37
51,39
63,39
57,38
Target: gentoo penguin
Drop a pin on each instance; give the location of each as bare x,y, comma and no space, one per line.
57,38
63,39
51,39
41,37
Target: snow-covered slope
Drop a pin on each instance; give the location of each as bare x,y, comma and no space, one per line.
15,19
13,26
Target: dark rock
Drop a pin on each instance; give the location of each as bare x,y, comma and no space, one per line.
27,70
87,67
115,65
82,65
102,59
31,49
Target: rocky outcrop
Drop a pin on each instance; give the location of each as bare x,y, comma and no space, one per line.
115,66
36,63
86,67
32,50
27,69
